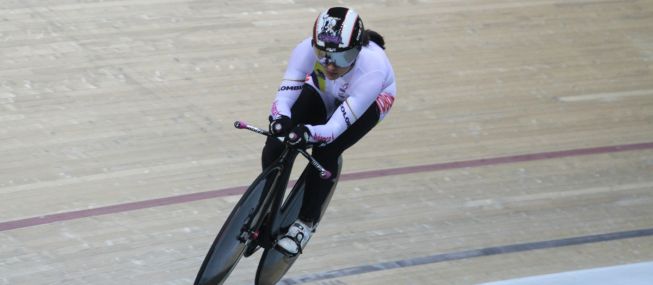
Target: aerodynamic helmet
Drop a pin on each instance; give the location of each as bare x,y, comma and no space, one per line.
338,36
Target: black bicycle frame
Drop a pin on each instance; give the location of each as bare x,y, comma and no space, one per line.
246,225
271,202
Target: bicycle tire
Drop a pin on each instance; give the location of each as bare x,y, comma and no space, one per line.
275,264
227,248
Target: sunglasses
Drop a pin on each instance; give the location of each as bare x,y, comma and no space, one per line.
340,59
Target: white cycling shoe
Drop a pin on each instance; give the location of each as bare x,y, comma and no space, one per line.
295,239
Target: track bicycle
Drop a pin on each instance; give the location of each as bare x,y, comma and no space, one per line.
259,219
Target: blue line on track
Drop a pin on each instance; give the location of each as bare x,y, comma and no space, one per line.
458,255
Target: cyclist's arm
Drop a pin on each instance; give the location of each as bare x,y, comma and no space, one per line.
301,63
363,95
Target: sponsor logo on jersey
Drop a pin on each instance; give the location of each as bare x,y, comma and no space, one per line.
290,88
319,79
342,92
344,115
325,139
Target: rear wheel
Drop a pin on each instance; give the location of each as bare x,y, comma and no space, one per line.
273,266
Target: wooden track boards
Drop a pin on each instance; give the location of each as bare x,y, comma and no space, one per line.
106,106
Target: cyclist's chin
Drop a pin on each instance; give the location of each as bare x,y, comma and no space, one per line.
333,75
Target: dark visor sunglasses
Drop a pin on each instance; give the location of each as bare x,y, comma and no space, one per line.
340,59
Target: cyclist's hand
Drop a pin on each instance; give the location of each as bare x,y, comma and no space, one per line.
298,137
280,126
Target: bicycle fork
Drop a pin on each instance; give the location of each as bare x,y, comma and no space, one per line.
259,227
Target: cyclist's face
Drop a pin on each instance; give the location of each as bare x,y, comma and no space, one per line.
333,72
336,63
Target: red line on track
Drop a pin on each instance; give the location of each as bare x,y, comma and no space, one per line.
58,217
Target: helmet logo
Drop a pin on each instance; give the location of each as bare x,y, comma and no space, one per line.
330,32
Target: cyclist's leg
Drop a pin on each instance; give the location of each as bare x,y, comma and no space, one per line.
317,189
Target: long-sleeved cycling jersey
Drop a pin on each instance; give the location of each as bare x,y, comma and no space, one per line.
371,80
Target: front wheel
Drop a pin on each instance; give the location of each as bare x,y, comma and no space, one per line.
229,245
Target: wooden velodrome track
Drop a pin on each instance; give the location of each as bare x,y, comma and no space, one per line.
520,143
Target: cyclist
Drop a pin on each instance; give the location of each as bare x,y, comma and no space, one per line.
338,85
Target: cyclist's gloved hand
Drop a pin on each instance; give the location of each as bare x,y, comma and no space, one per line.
299,136
280,126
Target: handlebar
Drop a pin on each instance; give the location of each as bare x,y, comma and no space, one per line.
324,174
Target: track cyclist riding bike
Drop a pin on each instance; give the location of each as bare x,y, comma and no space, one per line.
338,85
